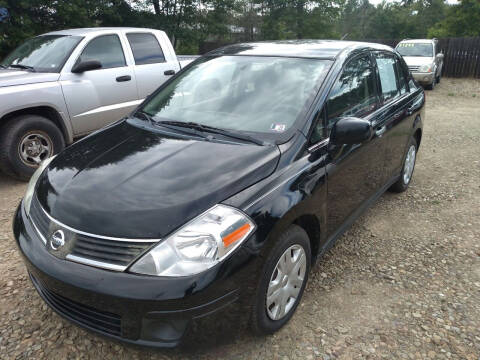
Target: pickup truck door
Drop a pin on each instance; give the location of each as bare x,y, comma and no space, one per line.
153,63
98,97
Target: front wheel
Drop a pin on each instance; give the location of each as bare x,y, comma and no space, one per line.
282,282
408,166
25,141
432,85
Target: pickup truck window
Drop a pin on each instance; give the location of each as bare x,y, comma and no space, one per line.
244,93
46,53
107,49
145,48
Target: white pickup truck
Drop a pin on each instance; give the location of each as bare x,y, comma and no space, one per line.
65,84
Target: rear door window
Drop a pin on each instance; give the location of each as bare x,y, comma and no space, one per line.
145,48
388,76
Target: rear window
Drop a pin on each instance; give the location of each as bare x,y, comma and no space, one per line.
145,48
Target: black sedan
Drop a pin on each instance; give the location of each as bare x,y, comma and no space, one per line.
217,195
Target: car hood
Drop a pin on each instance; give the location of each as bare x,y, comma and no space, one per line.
19,77
130,182
418,60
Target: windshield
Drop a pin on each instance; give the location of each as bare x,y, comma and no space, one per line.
241,93
45,53
415,49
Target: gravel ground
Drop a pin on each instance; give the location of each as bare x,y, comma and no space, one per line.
403,282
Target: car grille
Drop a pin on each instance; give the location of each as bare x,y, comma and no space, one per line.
119,253
85,315
99,251
413,68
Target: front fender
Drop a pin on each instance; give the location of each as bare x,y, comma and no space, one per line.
283,198
46,94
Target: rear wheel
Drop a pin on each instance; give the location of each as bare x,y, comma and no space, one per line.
25,141
408,166
283,281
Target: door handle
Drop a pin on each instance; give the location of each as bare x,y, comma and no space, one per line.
124,78
381,130
169,72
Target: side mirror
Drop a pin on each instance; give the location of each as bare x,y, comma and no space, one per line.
351,130
88,65
440,55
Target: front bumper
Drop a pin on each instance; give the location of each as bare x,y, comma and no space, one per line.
143,310
423,78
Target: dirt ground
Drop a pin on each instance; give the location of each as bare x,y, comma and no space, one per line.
403,282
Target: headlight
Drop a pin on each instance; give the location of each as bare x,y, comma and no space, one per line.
425,68
27,199
198,245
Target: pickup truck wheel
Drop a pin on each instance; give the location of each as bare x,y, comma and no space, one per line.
25,141
438,79
282,281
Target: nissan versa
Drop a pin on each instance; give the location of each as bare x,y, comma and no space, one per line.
215,197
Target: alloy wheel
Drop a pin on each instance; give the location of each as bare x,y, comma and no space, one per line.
35,147
409,164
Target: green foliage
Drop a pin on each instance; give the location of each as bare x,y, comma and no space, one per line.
190,22
461,20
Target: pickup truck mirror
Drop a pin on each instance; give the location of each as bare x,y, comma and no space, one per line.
351,130
440,55
88,65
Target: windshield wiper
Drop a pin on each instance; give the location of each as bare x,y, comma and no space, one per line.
3,66
150,119
213,130
22,66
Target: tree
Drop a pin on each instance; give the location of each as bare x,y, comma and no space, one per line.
461,20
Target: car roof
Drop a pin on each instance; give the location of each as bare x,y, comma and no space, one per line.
86,31
320,49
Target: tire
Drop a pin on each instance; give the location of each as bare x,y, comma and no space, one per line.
402,183
438,79
293,241
16,158
432,85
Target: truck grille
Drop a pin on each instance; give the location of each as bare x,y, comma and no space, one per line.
100,251
87,316
413,68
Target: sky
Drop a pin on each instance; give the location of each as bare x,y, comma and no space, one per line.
375,2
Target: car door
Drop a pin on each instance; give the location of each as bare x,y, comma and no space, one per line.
353,171
151,67
98,97
392,119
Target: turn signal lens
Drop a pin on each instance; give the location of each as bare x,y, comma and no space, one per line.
197,246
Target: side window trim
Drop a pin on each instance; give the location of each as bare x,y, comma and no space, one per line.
96,37
155,38
320,116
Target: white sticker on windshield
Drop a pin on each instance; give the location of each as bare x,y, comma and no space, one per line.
278,127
